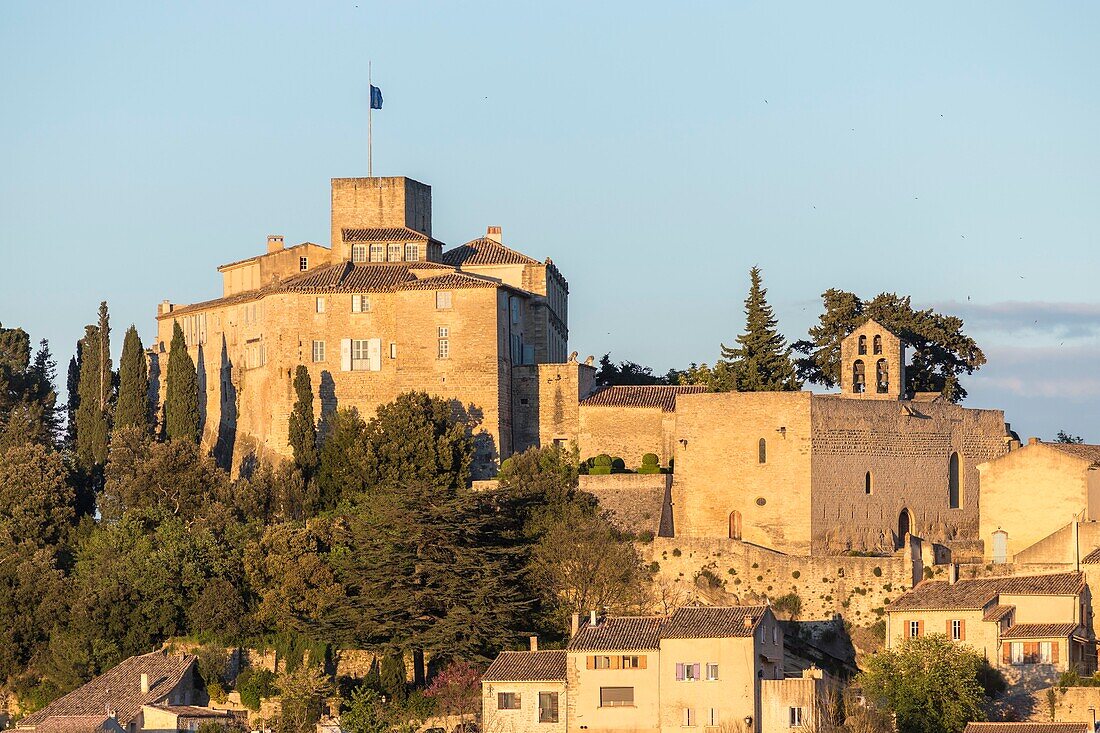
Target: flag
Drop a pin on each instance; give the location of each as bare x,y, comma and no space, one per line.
375,97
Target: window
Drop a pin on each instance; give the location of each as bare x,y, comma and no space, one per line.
318,350
688,718
914,629
762,634
956,629
762,451
877,347
548,707
508,701
303,263
360,303
377,253
775,635
687,671
602,663
393,350
616,697
882,376
858,377
360,359
358,253
868,483
515,310
712,673
442,299
1045,652
320,305
395,252
633,662
712,717
412,254
954,482
444,342
796,716
735,525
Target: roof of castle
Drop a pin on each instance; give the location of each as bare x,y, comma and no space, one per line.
1027,727
227,265
485,251
660,396
119,689
386,234
449,281
1084,451
541,666
619,633
1092,558
1039,631
977,593
713,622
74,724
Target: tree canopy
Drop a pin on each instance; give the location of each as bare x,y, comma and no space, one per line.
761,361
181,403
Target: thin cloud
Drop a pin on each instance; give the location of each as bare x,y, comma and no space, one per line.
1061,320
1041,371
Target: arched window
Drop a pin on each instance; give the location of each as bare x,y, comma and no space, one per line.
862,345
877,344
762,451
868,483
882,376
859,378
905,524
735,525
954,482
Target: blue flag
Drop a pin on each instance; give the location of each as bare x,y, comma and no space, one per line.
375,97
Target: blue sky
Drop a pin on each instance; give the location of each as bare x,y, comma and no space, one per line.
656,151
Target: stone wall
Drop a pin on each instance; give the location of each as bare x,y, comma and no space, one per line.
1071,704
378,202
626,432
545,402
639,503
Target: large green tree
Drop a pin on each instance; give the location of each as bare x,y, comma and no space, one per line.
761,361
92,426
931,684
303,425
340,476
28,398
132,409
940,351
181,404
37,502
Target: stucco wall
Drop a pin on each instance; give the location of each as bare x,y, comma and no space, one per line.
526,718
584,685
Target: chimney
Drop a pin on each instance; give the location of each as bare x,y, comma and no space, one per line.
164,307
274,243
534,643
749,621
1033,441
144,684
592,617
494,234
952,573
575,626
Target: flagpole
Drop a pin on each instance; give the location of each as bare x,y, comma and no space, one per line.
370,132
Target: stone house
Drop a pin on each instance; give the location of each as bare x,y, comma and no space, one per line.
1032,627
1034,493
1029,727
708,667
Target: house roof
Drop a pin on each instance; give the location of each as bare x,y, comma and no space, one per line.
1039,631
1090,453
541,666
977,593
227,265
119,689
712,622
385,234
485,251
1028,728
662,397
74,724
1092,558
619,633
448,281
998,612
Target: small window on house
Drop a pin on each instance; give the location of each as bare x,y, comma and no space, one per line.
360,303
796,717
914,629
442,299
377,253
689,718
862,345
877,345
775,635
548,707
393,350
358,253
360,361
320,305
508,701
412,254
712,672
602,662
868,483
956,630
444,342
318,351
762,451
515,310
712,717
395,252
631,662
303,263
687,671
616,697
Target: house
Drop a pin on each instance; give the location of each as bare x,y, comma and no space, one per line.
1029,626
148,692
709,667
1028,728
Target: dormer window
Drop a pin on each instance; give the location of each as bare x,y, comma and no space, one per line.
377,253
358,253
395,252
412,253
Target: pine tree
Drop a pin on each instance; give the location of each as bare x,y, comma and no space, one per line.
761,362
181,404
132,409
303,427
91,421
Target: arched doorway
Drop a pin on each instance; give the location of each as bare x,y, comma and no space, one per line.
735,525
905,524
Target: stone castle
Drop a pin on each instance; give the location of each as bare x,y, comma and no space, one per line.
388,308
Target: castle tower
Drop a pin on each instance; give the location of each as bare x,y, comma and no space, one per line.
395,208
872,363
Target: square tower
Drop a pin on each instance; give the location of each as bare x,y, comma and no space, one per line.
872,363
378,203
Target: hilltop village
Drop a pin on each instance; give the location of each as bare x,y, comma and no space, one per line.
790,542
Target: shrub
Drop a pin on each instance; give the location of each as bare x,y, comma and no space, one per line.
618,465
928,573
790,604
707,577
601,465
655,567
255,685
646,536
650,464
877,572
676,552
796,575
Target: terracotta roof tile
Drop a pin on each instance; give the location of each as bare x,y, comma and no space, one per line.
1028,728
361,277
74,724
453,280
256,257
120,689
1092,558
385,234
978,592
485,251
541,666
1090,453
660,396
1039,631
619,633
997,613
713,622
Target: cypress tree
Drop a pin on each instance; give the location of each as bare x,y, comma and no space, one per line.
91,421
303,428
761,361
181,404
72,387
106,375
132,409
